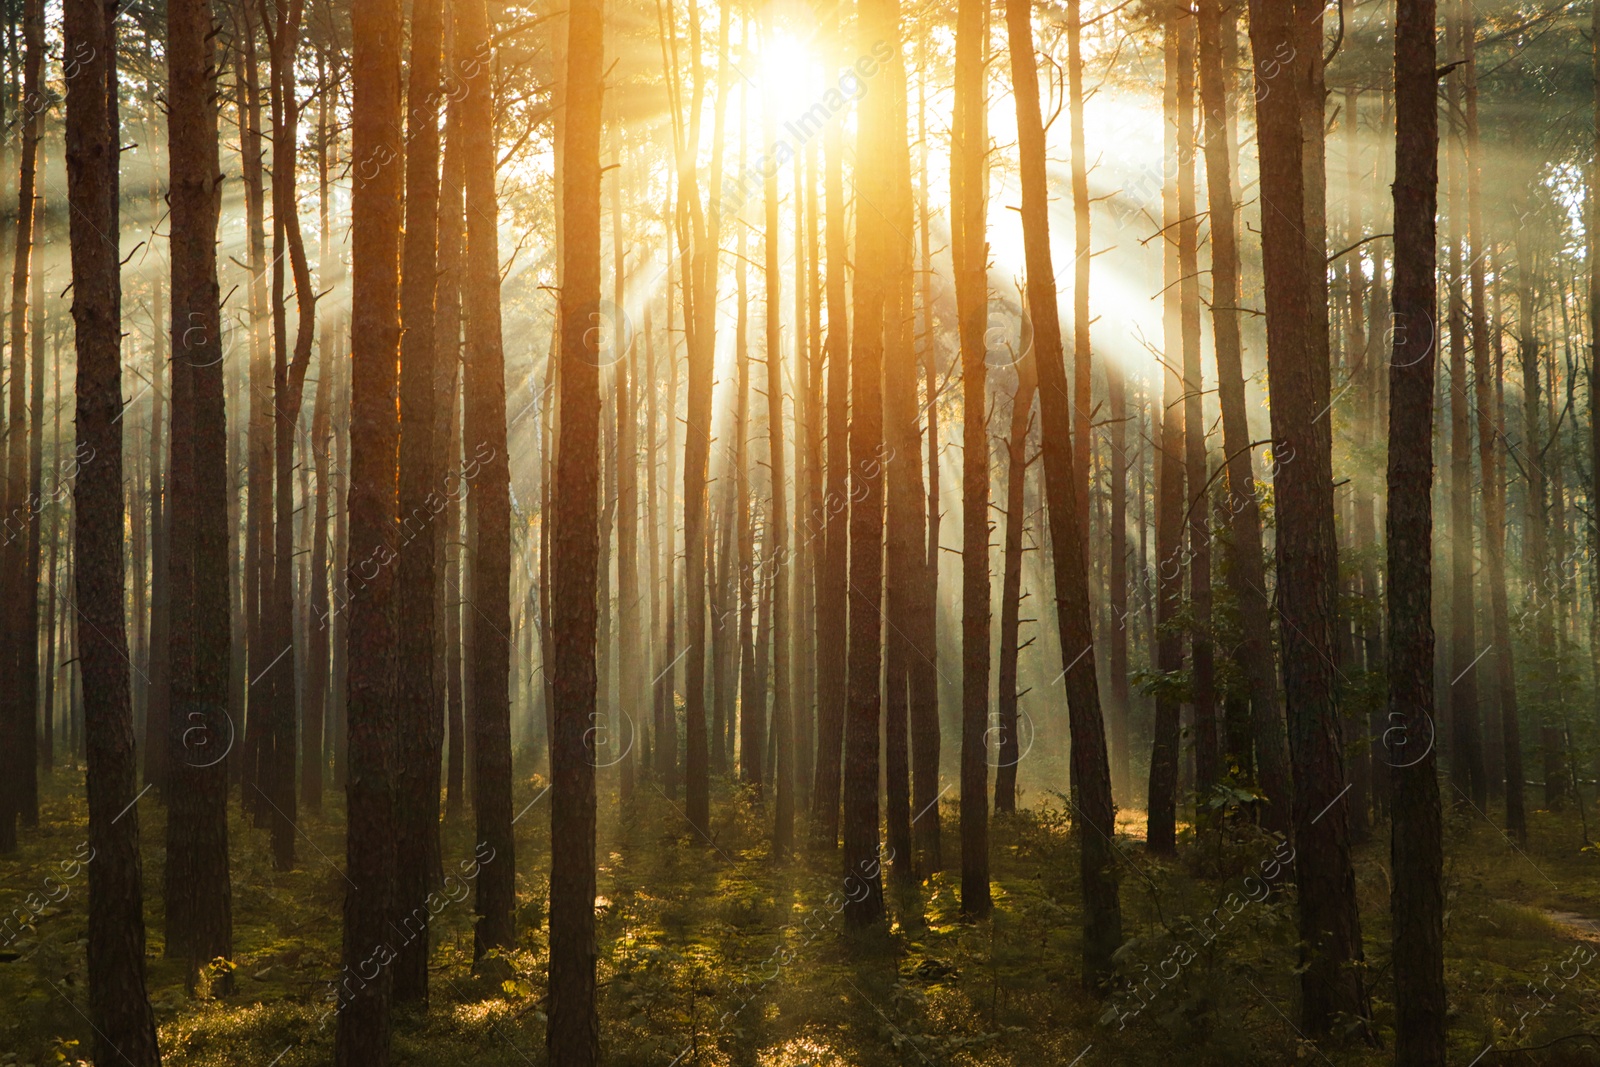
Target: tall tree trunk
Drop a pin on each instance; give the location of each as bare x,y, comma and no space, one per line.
699,235
1202,693
420,727
777,539
1161,833
447,426
743,586
1082,358
1247,568
878,25
1005,778
23,605
1535,537
288,388
574,1027
632,657
1416,851
910,642
371,503
1294,267
1466,741
159,691
197,893
52,657
808,466
259,461
21,665
833,578
970,253
119,1009
485,427
1361,659
1095,821
925,739
1593,249
318,676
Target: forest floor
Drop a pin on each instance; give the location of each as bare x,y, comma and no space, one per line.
712,953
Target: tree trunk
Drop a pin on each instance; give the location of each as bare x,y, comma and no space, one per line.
833,579
1593,249
1202,693
909,650
197,893
1330,926
420,728
258,516
289,377
21,665
878,28
447,427
698,237
1005,778
739,536
489,480
1535,539
807,371
632,657
777,539
1081,321
969,251
52,618
1095,814
574,1027
1466,736
119,1009
314,758
1247,568
1416,852
1161,833
371,503
925,739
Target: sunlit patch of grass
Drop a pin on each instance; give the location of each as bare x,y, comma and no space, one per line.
802,1052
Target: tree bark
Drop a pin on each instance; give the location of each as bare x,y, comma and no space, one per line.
484,425
289,375
197,892
1005,777
258,517
314,759
372,504
632,657
22,605
833,579
1095,814
1294,267
925,729
970,253
777,539
574,1028
1416,851
418,715
1466,735
1161,832
878,26
447,428
119,1009
1202,695
1247,567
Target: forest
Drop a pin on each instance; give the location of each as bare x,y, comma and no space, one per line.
800,533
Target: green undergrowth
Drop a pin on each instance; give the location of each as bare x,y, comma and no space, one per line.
713,951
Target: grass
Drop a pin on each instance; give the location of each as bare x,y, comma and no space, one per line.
714,952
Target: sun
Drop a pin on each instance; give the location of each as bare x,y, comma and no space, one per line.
790,67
